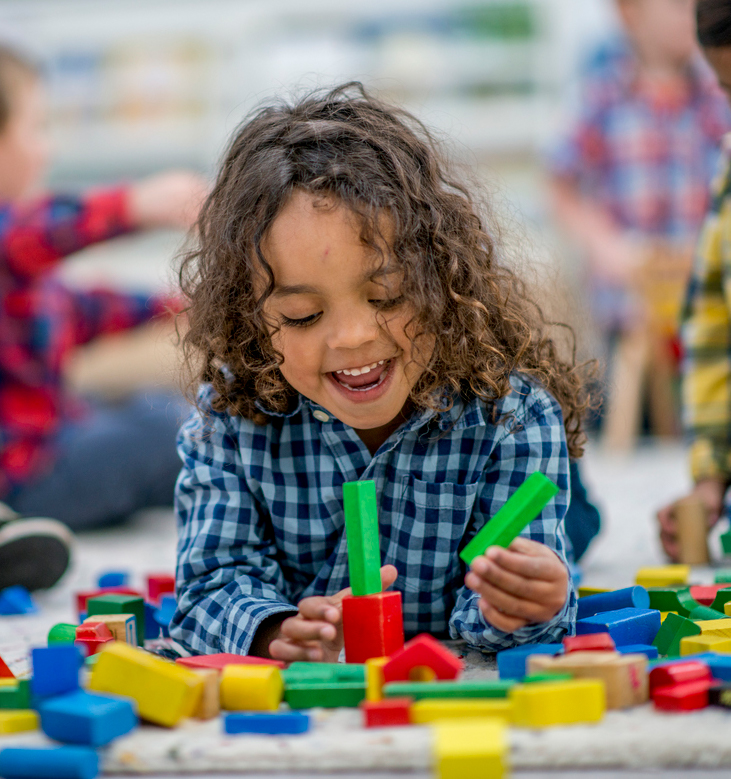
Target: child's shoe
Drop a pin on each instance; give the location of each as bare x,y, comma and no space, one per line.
34,552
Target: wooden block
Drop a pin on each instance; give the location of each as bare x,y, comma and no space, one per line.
474,688
114,603
689,696
723,576
221,660
725,540
374,678
209,705
625,626
301,672
672,630
160,584
5,672
674,598
471,749
62,633
727,609
692,645
427,711
92,636
521,508
558,703
82,598
122,626
547,676
361,527
705,594
715,627
328,695
719,694
628,598
585,592
692,528
598,642
15,694
705,614
165,692
424,651
18,720
373,625
663,576
511,663
270,723
251,688
722,597
673,674
386,713
624,676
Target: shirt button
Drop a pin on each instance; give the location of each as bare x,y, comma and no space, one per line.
321,416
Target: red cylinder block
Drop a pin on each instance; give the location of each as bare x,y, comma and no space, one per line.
373,625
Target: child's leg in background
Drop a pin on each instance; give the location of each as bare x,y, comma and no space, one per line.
121,458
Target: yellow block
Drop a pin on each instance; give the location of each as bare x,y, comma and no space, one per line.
8,682
471,749
435,710
374,678
663,576
540,705
251,687
715,627
664,614
165,692
727,608
18,720
584,592
705,643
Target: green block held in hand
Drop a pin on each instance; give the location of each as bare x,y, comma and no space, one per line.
521,508
361,526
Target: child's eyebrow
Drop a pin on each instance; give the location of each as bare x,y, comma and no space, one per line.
286,290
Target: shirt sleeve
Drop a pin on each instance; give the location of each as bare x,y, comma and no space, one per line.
534,441
228,576
34,236
706,338
102,312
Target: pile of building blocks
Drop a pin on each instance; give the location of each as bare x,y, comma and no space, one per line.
661,640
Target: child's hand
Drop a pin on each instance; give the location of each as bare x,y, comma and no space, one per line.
316,633
518,586
171,199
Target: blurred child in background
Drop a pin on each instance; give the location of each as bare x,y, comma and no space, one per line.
87,464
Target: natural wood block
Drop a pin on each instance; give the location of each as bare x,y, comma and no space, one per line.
692,527
210,702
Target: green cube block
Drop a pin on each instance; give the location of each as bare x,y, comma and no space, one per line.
721,599
120,604
723,576
706,612
673,598
328,695
671,631
521,508
473,688
361,527
62,633
16,696
726,542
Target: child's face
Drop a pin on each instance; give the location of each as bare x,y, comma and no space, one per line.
662,30
337,313
720,60
24,144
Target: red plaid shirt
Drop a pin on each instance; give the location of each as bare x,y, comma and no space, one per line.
42,321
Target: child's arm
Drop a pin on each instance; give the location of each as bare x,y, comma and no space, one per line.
229,580
524,594
36,235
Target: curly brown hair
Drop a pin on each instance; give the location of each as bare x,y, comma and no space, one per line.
375,159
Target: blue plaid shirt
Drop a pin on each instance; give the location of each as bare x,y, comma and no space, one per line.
261,522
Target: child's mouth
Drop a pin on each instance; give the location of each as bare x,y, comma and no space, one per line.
368,379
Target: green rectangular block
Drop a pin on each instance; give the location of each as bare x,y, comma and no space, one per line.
17,696
723,576
673,628
473,688
328,695
673,598
120,604
317,673
546,676
706,612
521,508
361,527
726,542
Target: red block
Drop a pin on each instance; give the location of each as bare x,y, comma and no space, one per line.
391,711
82,597
678,673
590,642
92,636
705,593
688,696
223,659
159,584
373,625
5,672
422,652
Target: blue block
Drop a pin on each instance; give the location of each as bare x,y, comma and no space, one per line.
49,763
152,629
628,598
511,663
720,666
625,626
274,723
16,600
55,670
113,579
639,649
87,718
164,613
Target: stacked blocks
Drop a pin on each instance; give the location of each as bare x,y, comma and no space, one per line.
115,603
123,627
92,636
673,629
630,597
372,620
324,684
15,694
596,642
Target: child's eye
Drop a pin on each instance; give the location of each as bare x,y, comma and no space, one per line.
388,303
308,320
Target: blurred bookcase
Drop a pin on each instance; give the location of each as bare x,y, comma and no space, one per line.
136,85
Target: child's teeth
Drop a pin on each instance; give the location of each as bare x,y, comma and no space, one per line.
360,371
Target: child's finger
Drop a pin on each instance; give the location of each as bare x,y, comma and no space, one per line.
320,608
281,649
530,566
389,574
520,586
501,621
298,629
530,610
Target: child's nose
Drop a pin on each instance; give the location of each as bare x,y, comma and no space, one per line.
352,327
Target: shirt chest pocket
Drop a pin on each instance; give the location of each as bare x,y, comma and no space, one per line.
430,522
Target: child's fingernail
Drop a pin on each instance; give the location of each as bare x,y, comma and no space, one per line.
479,565
492,553
313,654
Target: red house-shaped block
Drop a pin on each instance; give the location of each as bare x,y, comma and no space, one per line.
373,625
422,652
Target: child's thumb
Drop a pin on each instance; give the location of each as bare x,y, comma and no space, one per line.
389,574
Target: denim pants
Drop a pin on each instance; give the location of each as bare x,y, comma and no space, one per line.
118,459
